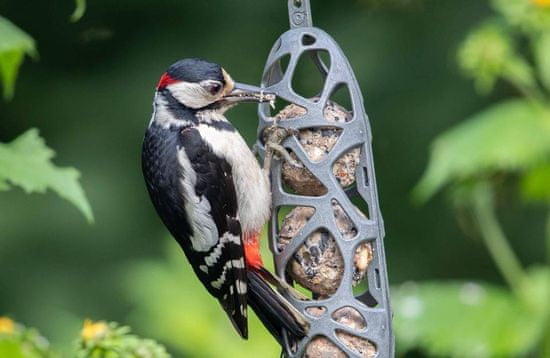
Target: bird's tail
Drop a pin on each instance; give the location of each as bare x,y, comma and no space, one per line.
275,312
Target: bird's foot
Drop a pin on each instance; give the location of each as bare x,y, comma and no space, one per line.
283,152
275,136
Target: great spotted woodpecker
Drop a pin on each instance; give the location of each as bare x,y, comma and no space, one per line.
211,193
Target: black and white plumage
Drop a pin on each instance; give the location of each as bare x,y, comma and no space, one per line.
210,191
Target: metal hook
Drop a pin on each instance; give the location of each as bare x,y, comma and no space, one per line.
299,13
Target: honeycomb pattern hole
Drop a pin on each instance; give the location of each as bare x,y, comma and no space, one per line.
291,221
277,70
350,317
318,142
345,167
307,79
361,260
361,205
308,40
321,346
345,225
317,264
361,346
342,96
300,180
361,289
316,311
285,110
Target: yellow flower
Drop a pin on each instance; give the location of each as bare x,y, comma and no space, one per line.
6,325
541,3
93,330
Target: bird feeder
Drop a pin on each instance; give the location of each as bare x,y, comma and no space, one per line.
326,231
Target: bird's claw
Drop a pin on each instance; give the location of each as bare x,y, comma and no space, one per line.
276,135
283,152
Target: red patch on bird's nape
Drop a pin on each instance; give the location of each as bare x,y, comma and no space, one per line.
252,250
166,80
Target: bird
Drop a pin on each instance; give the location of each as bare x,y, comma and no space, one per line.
211,193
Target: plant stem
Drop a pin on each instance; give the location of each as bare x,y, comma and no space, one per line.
531,92
548,237
545,351
494,237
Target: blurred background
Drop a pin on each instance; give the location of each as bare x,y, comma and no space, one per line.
89,92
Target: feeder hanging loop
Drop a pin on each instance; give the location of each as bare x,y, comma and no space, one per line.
299,13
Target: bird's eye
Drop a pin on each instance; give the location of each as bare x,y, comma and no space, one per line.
213,87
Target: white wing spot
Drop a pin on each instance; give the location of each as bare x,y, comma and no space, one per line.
238,263
241,287
219,282
211,259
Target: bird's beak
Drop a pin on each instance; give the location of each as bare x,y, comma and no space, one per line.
247,93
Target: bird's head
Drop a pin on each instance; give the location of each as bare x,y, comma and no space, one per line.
199,84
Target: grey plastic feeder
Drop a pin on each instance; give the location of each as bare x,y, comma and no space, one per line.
373,304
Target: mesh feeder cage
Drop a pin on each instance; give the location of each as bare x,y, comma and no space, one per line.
325,243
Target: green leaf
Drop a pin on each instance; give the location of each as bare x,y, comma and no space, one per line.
14,44
509,136
79,10
466,319
535,184
542,57
489,53
531,16
13,349
484,54
26,162
519,72
102,339
18,341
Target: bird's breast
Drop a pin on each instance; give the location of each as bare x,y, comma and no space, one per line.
251,182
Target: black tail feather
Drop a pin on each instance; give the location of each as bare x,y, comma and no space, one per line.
273,310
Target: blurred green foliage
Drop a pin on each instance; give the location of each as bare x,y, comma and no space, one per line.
79,10
110,340
507,140
472,148
467,319
18,341
488,53
90,94
26,162
14,44
97,340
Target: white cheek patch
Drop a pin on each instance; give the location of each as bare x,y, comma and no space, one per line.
191,95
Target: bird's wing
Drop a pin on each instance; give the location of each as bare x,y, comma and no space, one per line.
209,191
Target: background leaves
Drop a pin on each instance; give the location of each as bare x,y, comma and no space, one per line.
477,160
481,320
14,45
26,162
511,136
91,94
